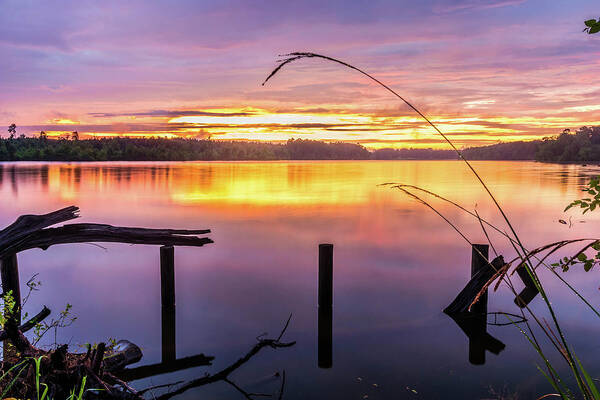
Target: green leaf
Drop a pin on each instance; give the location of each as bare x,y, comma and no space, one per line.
588,379
595,29
581,257
588,265
554,385
590,22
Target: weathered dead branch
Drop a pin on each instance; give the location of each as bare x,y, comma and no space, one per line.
103,368
31,231
223,375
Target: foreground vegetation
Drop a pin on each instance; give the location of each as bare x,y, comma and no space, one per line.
525,259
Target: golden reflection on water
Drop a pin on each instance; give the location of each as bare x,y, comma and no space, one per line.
397,263
295,184
167,193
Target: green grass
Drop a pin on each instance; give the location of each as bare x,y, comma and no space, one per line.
41,389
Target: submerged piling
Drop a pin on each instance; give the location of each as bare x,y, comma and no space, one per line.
167,297
325,305
479,260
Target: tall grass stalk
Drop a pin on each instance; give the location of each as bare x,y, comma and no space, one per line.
577,369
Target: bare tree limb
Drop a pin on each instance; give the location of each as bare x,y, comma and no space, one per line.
223,375
26,224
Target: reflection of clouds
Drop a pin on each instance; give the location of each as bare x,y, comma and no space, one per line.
396,263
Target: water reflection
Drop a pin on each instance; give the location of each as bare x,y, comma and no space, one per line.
474,327
470,308
397,266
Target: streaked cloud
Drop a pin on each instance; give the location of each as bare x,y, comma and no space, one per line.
475,5
172,114
485,70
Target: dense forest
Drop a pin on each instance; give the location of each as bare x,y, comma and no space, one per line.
580,146
130,149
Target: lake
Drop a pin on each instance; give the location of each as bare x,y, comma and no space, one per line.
396,266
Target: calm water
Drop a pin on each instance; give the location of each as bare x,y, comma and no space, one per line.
396,266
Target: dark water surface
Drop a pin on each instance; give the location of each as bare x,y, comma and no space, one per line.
397,265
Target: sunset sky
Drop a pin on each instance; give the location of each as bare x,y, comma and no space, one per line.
485,70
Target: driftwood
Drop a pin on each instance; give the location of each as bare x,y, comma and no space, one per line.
61,371
104,369
123,354
467,296
31,231
223,375
146,371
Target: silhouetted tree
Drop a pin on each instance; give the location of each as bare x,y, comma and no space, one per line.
75,135
12,131
592,26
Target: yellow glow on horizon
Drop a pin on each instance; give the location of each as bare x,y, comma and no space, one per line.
584,108
64,121
371,129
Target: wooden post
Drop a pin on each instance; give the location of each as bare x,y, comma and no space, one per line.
529,292
167,297
325,337
325,303
325,275
9,273
479,260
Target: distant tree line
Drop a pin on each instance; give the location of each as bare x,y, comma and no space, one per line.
580,146
42,148
21,148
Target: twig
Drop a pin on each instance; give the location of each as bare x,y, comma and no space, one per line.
223,375
282,385
242,391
